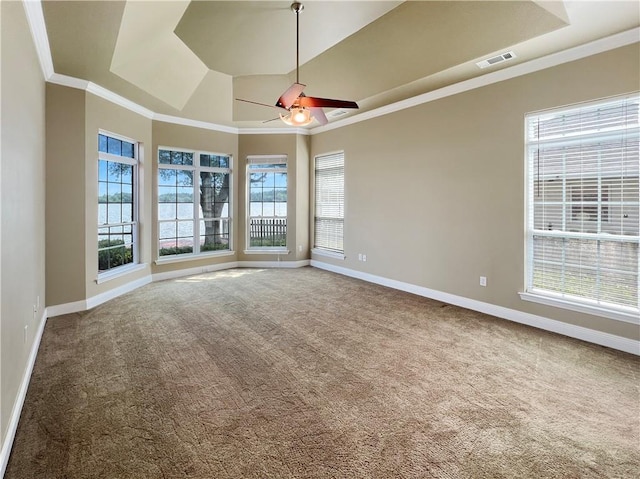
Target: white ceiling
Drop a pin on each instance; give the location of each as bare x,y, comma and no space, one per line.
192,59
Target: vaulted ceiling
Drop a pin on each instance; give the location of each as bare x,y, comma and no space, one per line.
192,59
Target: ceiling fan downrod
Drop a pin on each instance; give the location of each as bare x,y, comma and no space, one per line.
297,7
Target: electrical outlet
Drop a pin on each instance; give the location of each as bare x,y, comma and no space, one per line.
26,329
364,257
483,280
359,256
300,248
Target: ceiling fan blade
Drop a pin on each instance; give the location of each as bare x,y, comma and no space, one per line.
318,114
272,119
312,102
289,97
258,103
254,102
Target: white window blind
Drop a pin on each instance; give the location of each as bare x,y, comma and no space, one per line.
583,204
329,202
267,161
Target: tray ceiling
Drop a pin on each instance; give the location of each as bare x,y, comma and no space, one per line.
191,59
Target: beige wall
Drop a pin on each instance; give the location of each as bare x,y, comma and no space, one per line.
22,211
178,136
302,184
296,150
66,203
435,194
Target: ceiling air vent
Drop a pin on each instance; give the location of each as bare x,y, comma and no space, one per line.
336,113
503,57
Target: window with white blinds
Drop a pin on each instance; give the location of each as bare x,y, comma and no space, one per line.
583,206
329,202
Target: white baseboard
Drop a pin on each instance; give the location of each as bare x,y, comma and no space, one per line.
66,308
115,292
97,300
274,264
578,332
77,306
180,273
20,397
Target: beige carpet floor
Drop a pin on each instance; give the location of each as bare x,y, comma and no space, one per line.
307,374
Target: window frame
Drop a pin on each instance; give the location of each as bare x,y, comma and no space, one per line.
322,250
265,160
565,300
196,170
135,213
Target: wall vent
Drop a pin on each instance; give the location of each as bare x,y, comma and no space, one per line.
503,57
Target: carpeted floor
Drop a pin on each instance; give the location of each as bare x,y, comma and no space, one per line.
307,374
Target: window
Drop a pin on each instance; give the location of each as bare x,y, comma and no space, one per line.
194,214
117,205
583,207
329,202
267,187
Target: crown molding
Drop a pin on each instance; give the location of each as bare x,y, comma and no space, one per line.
274,131
119,100
112,97
576,53
35,17
194,123
101,92
66,80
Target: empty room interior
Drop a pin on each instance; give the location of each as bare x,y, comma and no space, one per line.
332,239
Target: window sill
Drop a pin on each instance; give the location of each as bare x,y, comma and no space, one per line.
119,272
192,257
628,316
267,251
328,253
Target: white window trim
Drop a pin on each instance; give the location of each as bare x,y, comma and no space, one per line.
119,271
195,168
135,162
550,298
581,306
328,253
256,160
192,257
267,250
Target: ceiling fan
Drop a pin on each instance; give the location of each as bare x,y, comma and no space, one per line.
302,109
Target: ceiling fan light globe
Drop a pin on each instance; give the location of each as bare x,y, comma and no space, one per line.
300,116
297,117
